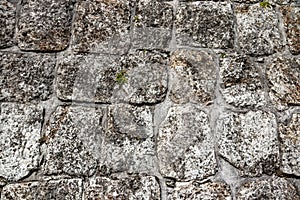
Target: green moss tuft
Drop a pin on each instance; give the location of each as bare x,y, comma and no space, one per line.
121,77
265,4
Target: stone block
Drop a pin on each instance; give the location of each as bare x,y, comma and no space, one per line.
7,23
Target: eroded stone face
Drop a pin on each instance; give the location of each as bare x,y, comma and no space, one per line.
73,138
26,77
290,145
272,188
284,83
193,76
102,26
7,23
20,127
45,25
184,144
249,141
205,24
64,189
241,84
257,27
131,188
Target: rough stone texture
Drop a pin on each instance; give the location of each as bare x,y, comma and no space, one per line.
184,144
257,29
290,145
249,141
131,188
64,189
194,76
240,82
20,127
283,75
26,77
153,22
102,26
292,27
272,188
129,141
73,138
7,23
45,25
194,190
205,24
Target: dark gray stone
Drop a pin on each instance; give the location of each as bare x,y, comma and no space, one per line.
7,23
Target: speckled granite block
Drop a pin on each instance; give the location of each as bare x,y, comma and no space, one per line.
20,127
64,189
7,23
193,76
131,188
26,77
45,25
184,144
205,24
249,141
258,29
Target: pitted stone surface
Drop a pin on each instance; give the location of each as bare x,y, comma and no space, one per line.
131,188
7,23
45,25
20,127
292,27
102,26
73,138
205,24
283,75
129,140
64,189
272,188
153,22
26,77
249,141
258,29
194,76
184,144
193,191
240,82
290,145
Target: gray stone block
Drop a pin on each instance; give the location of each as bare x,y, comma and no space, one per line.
7,23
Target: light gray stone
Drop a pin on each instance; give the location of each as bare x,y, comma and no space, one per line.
249,141
7,23
184,145
20,127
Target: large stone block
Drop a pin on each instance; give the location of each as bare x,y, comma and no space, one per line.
45,25
20,127
26,77
193,77
7,23
184,144
205,24
249,141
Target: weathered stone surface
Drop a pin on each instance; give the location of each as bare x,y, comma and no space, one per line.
292,27
272,188
271,1
73,138
193,190
184,144
194,76
249,141
45,25
205,24
257,28
26,77
283,75
131,188
102,26
153,22
290,145
129,141
64,189
20,127
7,23
241,84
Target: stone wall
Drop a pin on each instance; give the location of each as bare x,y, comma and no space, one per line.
149,99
